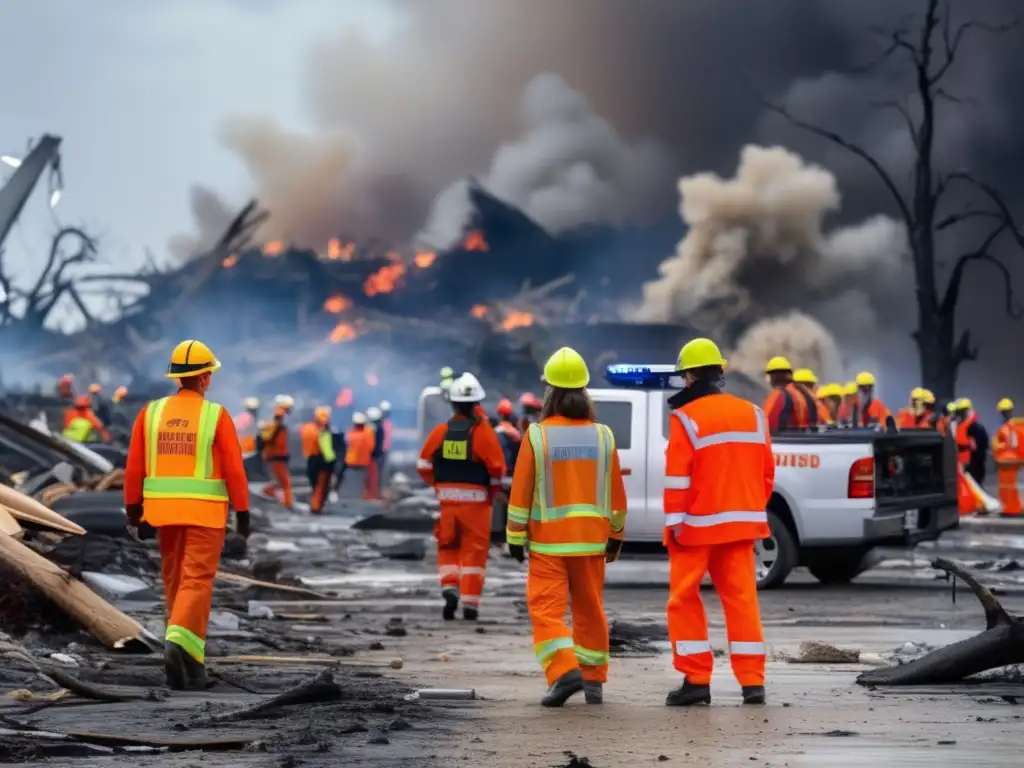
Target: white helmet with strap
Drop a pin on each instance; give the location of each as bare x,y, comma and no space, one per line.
466,389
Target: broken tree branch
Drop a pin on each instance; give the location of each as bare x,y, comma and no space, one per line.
320,689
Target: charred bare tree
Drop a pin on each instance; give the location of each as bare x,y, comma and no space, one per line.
931,51
1001,644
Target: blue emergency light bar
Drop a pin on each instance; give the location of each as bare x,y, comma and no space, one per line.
643,376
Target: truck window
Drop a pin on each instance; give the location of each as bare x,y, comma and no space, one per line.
618,417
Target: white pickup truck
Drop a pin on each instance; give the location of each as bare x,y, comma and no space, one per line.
838,493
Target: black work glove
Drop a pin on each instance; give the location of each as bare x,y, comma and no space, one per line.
242,524
134,513
612,550
518,552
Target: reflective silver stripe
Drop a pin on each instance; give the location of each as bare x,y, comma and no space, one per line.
461,494
424,464
447,570
471,600
692,647
552,444
720,518
495,481
758,435
676,483
471,571
746,649
674,518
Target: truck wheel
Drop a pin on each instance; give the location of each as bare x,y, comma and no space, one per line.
838,567
775,556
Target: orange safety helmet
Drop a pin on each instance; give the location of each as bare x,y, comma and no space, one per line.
83,401
529,400
120,394
504,407
95,388
67,378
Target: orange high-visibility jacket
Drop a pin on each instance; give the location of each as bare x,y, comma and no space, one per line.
874,412
359,443
74,413
786,408
478,448
719,472
184,464
247,430
275,438
965,444
907,419
1008,443
813,414
567,493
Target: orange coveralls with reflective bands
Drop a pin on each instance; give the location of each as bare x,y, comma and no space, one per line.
720,473
1008,452
276,456
318,451
73,414
359,443
184,466
786,408
567,499
463,531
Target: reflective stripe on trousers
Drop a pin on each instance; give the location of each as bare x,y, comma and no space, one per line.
673,519
471,495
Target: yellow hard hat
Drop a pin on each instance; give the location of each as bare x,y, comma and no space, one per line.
804,376
964,404
917,393
1006,404
850,388
778,363
191,358
830,390
951,406
865,379
566,370
927,396
699,353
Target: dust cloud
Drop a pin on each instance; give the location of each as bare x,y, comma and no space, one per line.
757,248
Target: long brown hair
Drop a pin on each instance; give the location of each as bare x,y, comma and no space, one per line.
568,403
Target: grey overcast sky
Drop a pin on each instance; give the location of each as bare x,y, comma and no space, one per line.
138,89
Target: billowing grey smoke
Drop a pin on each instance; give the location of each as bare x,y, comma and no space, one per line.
569,168
756,247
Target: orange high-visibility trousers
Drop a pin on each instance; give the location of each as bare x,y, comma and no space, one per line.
189,557
463,534
553,584
371,489
732,570
282,479
320,490
1009,488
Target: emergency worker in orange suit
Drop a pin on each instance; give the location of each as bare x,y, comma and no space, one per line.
508,434
971,440
870,410
318,450
909,416
248,426
831,397
928,419
81,425
276,453
184,467
99,405
462,460
568,500
66,387
946,424
359,444
849,408
1008,452
786,406
719,475
531,407
806,380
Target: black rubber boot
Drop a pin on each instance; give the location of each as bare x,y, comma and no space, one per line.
195,674
593,692
689,694
451,604
568,684
470,614
174,667
753,694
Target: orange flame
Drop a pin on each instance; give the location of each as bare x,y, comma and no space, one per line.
479,311
273,248
371,378
475,241
337,304
425,258
230,261
517,319
343,332
344,398
384,279
339,251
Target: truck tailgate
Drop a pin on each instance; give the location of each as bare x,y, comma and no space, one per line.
914,469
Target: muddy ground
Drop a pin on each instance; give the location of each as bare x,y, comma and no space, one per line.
381,606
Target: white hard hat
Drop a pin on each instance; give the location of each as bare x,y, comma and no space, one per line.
358,418
373,413
284,401
385,406
251,403
466,389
